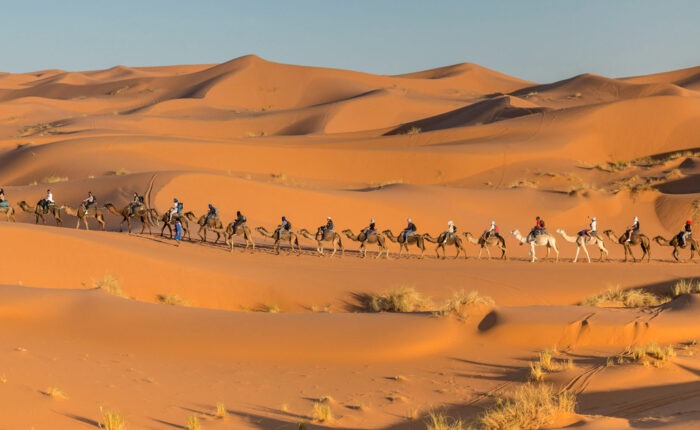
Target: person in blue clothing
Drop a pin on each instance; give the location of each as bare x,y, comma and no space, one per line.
212,214
178,231
410,229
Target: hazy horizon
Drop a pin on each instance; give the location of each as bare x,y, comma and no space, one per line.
541,42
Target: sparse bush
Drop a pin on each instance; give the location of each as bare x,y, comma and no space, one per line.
633,298
685,286
54,393
112,420
536,372
461,302
172,299
439,421
401,299
413,130
110,284
321,413
193,423
221,412
273,308
119,172
529,407
53,179
521,183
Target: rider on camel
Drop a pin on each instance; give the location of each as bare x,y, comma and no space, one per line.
451,231
90,200
634,229
685,233
370,229
409,230
239,221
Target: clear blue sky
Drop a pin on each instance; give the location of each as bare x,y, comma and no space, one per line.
535,40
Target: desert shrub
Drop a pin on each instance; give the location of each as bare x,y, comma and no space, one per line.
401,299
172,299
532,406
110,284
321,413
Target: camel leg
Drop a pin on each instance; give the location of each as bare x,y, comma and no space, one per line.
532,252
478,257
547,256
488,252
578,248
556,259
87,227
588,256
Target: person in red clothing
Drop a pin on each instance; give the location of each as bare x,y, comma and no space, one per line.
685,233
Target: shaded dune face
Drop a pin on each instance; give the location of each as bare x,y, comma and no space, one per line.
86,316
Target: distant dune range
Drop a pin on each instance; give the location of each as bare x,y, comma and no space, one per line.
270,335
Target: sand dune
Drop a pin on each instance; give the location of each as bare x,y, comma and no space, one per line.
269,335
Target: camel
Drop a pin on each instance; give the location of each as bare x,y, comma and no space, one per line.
377,238
403,242
142,213
543,239
675,243
242,230
39,212
287,236
443,240
92,212
329,236
485,243
580,242
215,225
170,223
10,211
637,239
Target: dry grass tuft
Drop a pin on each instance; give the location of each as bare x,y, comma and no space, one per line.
439,421
528,407
119,172
401,299
54,393
193,423
536,372
172,299
523,183
653,351
110,284
633,298
53,179
461,302
112,420
221,412
272,308
281,176
685,286
413,130
321,413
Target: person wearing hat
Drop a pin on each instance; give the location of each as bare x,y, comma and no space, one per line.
451,231
212,214
685,233
370,229
286,225
239,221
90,200
634,229
592,229
176,209
409,230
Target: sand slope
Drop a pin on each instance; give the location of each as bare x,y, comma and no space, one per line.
269,334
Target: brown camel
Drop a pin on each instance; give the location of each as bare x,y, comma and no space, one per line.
9,211
241,230
376,237
329,236
142,213
170,223
92,212
214,225
39,212
486,243
637,239
445,239
279,236
404,241
690,242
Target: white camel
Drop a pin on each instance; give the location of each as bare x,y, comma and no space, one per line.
580,242
544,239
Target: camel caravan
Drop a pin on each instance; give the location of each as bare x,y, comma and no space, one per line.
178,223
